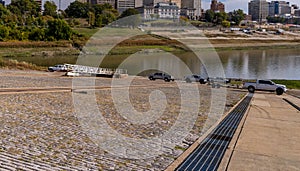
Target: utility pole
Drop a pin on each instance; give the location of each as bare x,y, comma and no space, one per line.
59,5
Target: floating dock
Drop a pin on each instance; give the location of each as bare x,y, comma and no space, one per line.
81,70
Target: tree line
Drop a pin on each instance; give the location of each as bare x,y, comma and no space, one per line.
23,19
225,19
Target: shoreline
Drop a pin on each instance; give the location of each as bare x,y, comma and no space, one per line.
218,42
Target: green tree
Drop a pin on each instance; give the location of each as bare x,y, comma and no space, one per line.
91,18
18,33
209,16
58,30
237,16
98,21
4,33
37,34
133,19
24,7
77,10
108,16
50,9
225,23
276,20
129,12
220,17
3,11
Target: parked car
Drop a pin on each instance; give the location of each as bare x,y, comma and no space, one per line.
194,78
217,82
58,68
162,76
265,85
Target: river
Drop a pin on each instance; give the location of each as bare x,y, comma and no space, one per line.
245,64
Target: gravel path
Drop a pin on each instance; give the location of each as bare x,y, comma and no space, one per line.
41,131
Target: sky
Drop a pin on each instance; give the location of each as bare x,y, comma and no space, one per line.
64,3
230,5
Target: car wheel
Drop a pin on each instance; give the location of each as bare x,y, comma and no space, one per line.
167,80
151,78
279,91
202,81
51,70
251,89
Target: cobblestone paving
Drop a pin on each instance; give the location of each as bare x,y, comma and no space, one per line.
40,131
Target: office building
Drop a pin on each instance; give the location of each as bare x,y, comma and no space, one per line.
138,3
177,2
294,7
123,5
153,2
83,1
111,2
297,12
259,10
191,9
217,6
279,8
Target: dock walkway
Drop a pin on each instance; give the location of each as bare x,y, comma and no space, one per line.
269,138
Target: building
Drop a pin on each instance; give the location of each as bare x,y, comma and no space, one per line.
217,6
297,12
2,2
138,3
122,5
191,9
277,8
167,10
152,3
294,7
83,1
162,10
259,10
111,2
177,2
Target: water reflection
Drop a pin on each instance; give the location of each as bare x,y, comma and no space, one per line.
262,64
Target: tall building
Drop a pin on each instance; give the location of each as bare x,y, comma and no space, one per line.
279,8
153,2
138,3
297,12
111,2
123,5
83,1
191,9
177,2
294,7
217,6
259,10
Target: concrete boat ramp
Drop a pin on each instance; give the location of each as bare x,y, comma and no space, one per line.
267,138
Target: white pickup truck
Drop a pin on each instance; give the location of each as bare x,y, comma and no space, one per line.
265,85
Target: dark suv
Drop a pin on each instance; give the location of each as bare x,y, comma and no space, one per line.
162,76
